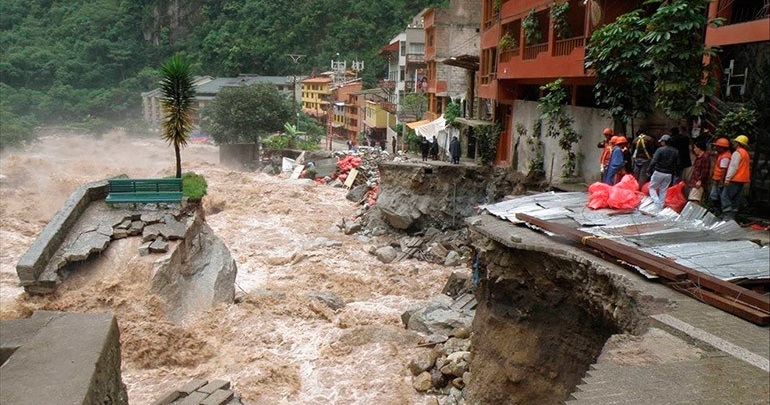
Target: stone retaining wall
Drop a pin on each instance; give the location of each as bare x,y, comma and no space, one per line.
33,262
61,358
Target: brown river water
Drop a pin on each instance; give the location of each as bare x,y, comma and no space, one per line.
281,348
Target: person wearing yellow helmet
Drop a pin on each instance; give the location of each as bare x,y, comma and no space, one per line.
738,175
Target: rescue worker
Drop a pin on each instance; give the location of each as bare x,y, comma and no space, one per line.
663,166
738,175
643,149
606,146
616,162
722,147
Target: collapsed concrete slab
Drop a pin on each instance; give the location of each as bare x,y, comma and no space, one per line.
198,274
61,358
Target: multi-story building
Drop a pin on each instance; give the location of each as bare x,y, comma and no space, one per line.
345,110
449,31
515,62
407,71
316,96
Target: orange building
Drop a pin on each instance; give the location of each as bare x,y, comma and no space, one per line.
515,62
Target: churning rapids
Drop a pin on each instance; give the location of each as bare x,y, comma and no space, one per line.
277,348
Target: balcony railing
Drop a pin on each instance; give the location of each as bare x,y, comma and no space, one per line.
387,84
415,58
389,107
507,55
565,46
531,52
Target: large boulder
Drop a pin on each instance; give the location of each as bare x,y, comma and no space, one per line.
198,274
438,318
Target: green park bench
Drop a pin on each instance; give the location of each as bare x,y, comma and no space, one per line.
143,191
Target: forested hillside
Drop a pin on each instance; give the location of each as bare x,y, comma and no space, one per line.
87,60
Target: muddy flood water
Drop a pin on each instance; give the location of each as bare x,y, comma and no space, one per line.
276,348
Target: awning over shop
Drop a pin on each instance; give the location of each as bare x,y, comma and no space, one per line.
414,125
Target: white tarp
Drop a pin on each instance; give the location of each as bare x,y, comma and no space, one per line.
439,129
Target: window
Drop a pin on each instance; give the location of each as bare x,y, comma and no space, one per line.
416,48
403,47
401,75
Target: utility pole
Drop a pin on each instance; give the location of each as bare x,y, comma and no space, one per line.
295,57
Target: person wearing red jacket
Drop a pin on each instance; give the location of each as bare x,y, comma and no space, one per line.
699,177
738,175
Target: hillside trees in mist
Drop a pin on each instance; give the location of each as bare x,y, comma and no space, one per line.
64,60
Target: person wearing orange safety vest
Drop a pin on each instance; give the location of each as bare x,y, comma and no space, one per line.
738,175
606,146
722,162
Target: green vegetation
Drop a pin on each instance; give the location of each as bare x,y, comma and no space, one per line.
177,98
533,35
737,122
245,114
66,60
616,53
452,111
487,137
194,186
559,123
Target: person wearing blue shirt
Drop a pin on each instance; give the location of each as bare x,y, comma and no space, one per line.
616,160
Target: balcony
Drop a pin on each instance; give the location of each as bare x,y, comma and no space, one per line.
415,58
389,107
745,22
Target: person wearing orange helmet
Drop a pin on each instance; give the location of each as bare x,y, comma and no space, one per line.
606,146
616,162
722,162
738,175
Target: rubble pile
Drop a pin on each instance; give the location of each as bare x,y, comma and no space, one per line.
443,370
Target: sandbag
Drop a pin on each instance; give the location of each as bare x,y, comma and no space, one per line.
598,193
675,197
646,188
623,198
628,182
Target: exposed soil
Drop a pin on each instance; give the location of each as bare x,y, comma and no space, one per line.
277,345
541,321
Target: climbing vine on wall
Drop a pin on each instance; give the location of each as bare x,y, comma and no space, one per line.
559,123
534,143
532,33
487,137
559,14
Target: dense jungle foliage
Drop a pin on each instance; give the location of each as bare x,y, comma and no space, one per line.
88,60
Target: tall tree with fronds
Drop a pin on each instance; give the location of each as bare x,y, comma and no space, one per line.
178,93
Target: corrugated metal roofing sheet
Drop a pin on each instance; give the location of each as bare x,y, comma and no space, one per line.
694,237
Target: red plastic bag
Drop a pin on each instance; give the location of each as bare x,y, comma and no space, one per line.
623,198
675,197
646,188
598,193
628,182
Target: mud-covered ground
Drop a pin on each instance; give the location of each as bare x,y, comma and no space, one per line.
276,345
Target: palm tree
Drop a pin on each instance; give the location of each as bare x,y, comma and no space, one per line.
178,92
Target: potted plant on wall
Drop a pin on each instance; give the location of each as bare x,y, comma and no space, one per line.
559,17
532,33
496,5
507,42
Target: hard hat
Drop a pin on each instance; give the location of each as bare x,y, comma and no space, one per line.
665,138
621,140
723,142
607,131
613,140
742,139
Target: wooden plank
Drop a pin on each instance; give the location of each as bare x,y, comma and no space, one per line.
655,264
736,308
351,178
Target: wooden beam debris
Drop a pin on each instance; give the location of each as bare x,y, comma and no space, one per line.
732,298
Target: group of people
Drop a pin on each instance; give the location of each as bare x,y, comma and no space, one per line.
676,157
430,149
